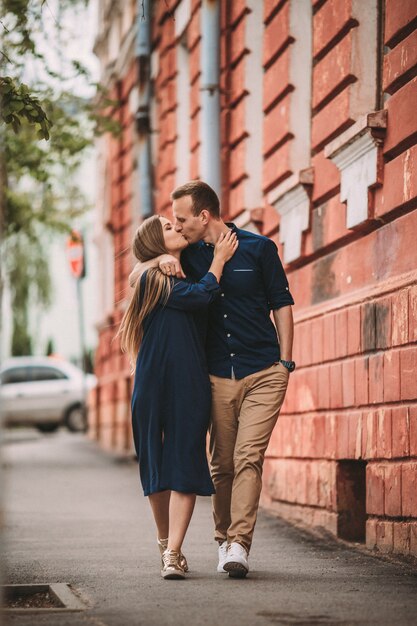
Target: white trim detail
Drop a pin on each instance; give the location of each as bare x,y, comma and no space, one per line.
358,165
182,145
182,17
355,153
294,209
300,70
254,32
133,100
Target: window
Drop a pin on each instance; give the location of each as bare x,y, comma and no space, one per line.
46,373
15,375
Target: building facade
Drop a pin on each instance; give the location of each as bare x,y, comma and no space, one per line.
302,114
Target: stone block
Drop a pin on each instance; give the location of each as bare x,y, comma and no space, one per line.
384,433
333,71
400,317
393,196
393,490
348,383
399,63
276,80
397,22
325,185
369,434
400,431
408,489
336,388
385,536
401,108
375,489
412,414
408,370
371,534
276,167
276,126
332,120
412,314
402,538
277,35
331,19
361,381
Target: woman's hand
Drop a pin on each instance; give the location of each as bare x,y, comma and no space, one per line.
226,246
170,266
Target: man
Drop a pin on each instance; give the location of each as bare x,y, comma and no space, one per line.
248,367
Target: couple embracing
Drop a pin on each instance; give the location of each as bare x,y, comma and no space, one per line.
208,356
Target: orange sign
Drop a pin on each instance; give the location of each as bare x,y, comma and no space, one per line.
75,249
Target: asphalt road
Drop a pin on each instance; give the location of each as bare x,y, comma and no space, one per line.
75,514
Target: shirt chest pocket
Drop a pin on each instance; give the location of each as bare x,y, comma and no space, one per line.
243,280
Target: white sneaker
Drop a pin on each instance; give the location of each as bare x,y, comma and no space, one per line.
236,563
222,557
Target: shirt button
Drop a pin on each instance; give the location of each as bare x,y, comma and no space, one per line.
228,334
233,354
225,315
222,295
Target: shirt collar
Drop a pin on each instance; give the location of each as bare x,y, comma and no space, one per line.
231,225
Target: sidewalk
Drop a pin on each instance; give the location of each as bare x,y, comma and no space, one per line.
75,514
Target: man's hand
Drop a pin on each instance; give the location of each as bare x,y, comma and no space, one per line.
170,266
135,274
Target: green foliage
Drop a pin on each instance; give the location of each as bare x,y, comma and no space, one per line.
44,131
29,281
17,103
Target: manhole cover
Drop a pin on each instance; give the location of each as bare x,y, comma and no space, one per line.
41,598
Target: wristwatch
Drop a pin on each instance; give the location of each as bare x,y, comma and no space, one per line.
290,365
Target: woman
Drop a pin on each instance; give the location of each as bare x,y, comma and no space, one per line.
171,394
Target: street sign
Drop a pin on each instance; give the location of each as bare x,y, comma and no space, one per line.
75,249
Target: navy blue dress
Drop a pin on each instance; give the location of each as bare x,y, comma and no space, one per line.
171,395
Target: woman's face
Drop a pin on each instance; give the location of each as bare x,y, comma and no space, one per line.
174,241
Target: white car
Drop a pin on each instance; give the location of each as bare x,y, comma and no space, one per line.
45,392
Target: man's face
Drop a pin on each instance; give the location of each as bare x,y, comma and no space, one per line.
192,227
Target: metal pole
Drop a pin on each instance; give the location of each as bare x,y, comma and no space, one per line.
3,182
81,325
210,96
143,124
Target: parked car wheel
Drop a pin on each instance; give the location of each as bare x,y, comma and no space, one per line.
47,428
76,420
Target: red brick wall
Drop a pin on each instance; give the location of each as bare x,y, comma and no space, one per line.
351,408
353,395
109,405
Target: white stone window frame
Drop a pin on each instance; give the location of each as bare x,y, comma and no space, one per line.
254,34
358,156
292,197
183,90
293,206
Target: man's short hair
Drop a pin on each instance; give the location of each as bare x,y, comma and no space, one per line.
202,195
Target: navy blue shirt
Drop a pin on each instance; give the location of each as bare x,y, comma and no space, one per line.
241,337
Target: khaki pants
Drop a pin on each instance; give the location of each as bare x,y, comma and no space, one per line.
244,413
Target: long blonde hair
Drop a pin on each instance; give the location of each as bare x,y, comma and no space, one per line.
147,244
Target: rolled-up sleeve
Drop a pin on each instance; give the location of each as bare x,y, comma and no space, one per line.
275,280
188,296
